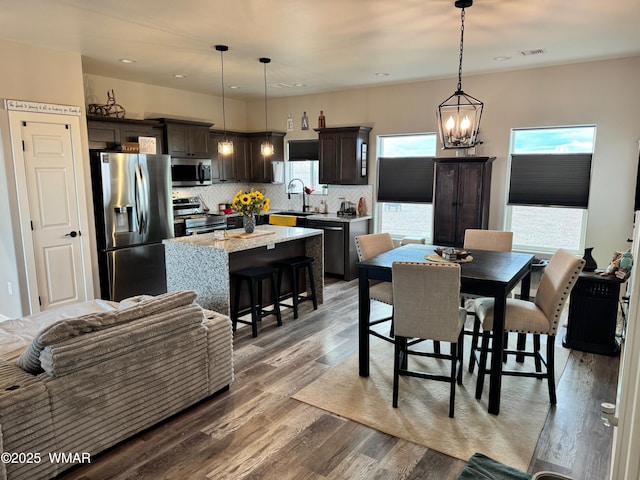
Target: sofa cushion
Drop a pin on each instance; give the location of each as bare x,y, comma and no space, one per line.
73,327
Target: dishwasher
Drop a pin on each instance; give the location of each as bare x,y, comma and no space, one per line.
334,245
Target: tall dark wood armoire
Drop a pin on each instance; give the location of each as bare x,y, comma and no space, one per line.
460,197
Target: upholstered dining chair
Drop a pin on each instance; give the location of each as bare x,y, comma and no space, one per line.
540,317
477,239
426,307
492,240
368,246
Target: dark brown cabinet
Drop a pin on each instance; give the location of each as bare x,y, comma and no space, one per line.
343,155
228,168
186,139
461,198
110,132
257,166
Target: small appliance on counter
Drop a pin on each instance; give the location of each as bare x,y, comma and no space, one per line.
347,209
189,217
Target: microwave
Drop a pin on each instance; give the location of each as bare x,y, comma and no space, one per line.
190,172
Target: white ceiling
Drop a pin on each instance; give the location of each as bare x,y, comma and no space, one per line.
319,46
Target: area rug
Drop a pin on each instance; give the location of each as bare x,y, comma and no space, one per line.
481,467
422,413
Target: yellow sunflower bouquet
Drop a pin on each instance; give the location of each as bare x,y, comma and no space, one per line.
250,203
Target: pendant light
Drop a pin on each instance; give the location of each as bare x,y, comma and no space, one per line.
225,147
267,147
459,115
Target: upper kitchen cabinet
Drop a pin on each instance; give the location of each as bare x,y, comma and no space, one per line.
343,155
461,198
228,168
110,132
260,166
186,139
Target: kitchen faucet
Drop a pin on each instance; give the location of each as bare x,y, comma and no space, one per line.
305,207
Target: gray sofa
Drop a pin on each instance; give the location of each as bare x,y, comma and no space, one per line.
84,383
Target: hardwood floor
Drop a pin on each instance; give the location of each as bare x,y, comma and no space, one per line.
256,430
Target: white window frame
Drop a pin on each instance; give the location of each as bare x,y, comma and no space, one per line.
509,208
379,210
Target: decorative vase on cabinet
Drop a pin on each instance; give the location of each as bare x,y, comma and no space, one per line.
590,262
249,223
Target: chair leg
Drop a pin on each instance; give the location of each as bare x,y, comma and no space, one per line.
536,349
474,344
256,291
452,380
276,299
460,356
294,291
482,367
399,347
236,305
551,371
312,287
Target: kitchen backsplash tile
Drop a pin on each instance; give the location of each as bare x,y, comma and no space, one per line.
224,193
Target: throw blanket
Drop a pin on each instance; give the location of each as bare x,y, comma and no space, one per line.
16,334
481,467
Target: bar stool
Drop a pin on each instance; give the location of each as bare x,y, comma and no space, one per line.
254,276
293,266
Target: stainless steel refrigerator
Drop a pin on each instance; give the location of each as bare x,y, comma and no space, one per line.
133,214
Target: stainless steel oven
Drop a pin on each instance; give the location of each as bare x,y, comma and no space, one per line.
190,218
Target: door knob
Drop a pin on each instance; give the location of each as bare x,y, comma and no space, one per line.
72,234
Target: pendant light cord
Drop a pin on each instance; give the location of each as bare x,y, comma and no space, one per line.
265,101
224,115
461,49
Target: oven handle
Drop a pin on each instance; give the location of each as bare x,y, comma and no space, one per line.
205,229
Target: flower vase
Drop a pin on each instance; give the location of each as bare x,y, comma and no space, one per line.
249,223
590,262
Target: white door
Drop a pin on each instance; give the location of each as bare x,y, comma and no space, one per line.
53,210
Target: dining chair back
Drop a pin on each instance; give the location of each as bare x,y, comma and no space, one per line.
368,246
426,307
540,317
372,244
493,240
477,239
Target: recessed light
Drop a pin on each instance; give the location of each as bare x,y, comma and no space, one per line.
234,87
179,75
501,58
126,60
300,84
381,74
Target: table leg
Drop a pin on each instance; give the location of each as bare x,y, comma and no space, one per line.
364,310
495,386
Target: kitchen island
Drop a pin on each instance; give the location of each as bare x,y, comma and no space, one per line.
204,264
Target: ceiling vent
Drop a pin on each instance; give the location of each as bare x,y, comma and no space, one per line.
535,51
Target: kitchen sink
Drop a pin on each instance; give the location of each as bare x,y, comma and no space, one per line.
294,213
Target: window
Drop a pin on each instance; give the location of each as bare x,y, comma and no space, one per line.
405,184
549,185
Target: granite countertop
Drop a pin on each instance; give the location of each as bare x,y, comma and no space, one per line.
231,244
331,217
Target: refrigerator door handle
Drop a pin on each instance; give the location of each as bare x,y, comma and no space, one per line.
142,199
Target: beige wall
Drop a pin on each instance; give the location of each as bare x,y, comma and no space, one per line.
601,93
148,101
38,75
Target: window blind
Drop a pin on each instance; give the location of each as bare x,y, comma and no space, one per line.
405,179
560,180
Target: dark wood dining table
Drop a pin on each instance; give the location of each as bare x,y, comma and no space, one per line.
490,274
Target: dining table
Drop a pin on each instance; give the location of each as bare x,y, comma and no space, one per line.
488,274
